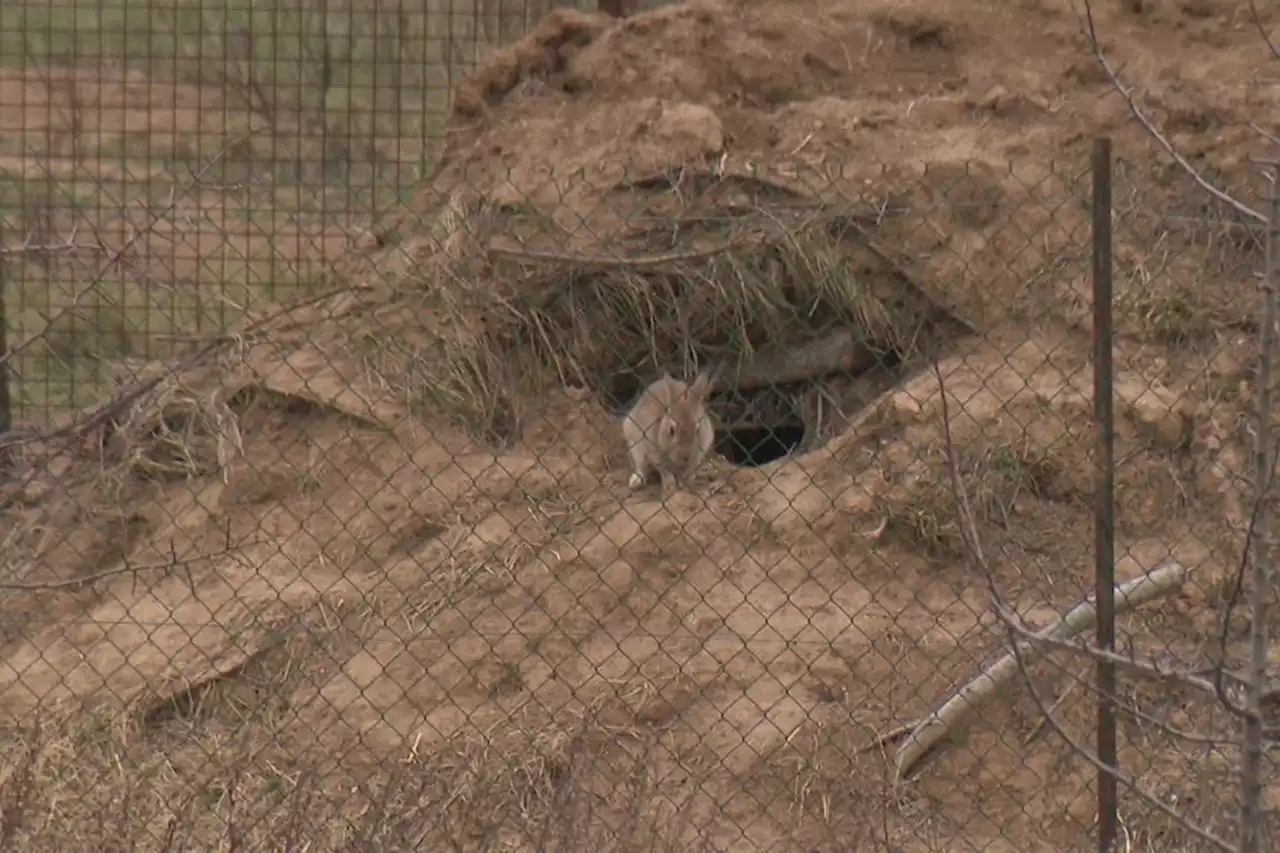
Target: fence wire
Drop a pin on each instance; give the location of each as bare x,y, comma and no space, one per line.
371,485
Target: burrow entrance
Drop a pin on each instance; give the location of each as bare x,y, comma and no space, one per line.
764,413
751,446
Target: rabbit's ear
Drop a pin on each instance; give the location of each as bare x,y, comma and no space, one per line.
701,385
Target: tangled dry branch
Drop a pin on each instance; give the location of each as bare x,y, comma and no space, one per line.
1019,639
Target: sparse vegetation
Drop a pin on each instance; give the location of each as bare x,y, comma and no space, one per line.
166,168
343,557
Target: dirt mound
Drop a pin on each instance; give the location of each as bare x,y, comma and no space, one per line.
931,181
386,584
369,573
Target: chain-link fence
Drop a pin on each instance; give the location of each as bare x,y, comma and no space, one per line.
607,441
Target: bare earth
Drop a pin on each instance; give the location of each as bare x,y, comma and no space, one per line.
350,605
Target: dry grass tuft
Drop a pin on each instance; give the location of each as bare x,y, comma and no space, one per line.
177,431
537,323
1166,294
1178,744
255,782
1177,310
1003,468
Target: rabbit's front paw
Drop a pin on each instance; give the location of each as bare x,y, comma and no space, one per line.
635,481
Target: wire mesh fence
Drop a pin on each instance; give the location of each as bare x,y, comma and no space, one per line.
381,474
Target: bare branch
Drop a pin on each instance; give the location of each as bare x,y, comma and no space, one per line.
1053,709
969,529
1144,669
114,256
1190,737
1164,580
1124,779
1270,137
1262,30
127,569
1261,488
1090,33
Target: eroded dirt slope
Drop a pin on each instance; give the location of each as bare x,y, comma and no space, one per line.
547,655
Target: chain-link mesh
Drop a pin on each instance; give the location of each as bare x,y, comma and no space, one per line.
484,429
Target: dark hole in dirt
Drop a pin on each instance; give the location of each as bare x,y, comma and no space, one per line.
574,85
187,704
502,425
622,391
794,398
751,446
419,536
888,360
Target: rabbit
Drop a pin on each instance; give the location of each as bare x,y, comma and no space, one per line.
669,430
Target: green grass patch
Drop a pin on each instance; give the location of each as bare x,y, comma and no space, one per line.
299,117
78,335
203,259
357,85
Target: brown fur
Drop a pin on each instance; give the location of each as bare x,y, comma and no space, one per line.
669,430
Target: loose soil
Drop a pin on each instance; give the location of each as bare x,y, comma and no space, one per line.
337,614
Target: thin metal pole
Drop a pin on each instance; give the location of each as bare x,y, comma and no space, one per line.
1104,493
6,371
1253,756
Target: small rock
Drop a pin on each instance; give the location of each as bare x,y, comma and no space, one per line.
903,408
1039,101
1157,410
1228,362
366,240
996,98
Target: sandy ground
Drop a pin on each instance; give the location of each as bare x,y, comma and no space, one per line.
358,618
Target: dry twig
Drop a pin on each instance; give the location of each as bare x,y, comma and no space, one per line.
1162,581
113,256
1262,30
1016,633
1053,709
29,246
174,562
1136,110
893,735
536,255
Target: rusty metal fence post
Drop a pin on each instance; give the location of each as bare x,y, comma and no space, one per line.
1104,499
